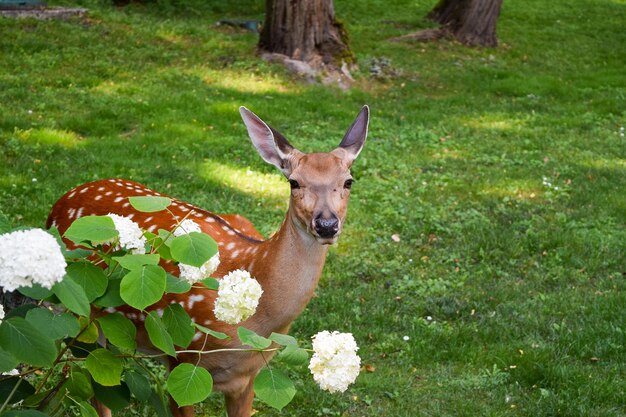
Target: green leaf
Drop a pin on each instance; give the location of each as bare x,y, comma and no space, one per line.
250,338
24,413
90,335
72,296
96,229
86,409
132,262
293,355
211,283
76,254
55,326
111,297
23,390
217,335
149,204
160,405
283,339
193,248
8,362
157,332
119,330
116,398
104,367
178,324
189,384
79,385
143,287
138,384
175,285
36,291
27,344
91,279
274,388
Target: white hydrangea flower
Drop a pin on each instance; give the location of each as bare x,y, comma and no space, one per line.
185,227
1,313
130,236
335,364
193,274
237,297
30,256
11,372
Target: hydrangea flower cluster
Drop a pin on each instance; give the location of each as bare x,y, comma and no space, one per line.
190,273
237,297
130,236
185,227
30,256
334,364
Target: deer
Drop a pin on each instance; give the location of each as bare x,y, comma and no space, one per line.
287,265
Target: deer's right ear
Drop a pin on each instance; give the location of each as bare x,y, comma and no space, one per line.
271,145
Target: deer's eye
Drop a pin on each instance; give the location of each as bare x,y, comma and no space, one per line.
294,184
348,184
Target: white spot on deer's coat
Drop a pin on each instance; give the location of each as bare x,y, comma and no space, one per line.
98,197
194,298
108,193
159,311
225,228
210,220
152,228
72,194
231,233
230,246
184,209
197,214
110,310
100,188
79,213
197,336
126,205
220,243
149,219
84,190
130,216
208,322
118,199
235,254
70,213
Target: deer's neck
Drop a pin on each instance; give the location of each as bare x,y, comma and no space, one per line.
288,267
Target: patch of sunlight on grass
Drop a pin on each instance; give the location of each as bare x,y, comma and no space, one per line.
48,136
246,82
247,181
515,190
494,122
610,164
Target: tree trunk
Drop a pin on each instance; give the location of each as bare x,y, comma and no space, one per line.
305,30
471,22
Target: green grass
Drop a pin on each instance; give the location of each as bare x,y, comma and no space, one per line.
502,170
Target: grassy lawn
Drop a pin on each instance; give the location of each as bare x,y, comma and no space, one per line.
502,171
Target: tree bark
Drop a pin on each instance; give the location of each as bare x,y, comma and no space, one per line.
471,22
305,30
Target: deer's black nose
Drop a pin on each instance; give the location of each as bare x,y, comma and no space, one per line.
326,227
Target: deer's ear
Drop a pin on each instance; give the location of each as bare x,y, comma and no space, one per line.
271,145
354,138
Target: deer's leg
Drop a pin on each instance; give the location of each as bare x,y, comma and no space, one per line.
186,411
240,404
101,409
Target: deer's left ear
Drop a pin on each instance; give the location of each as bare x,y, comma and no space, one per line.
354,138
